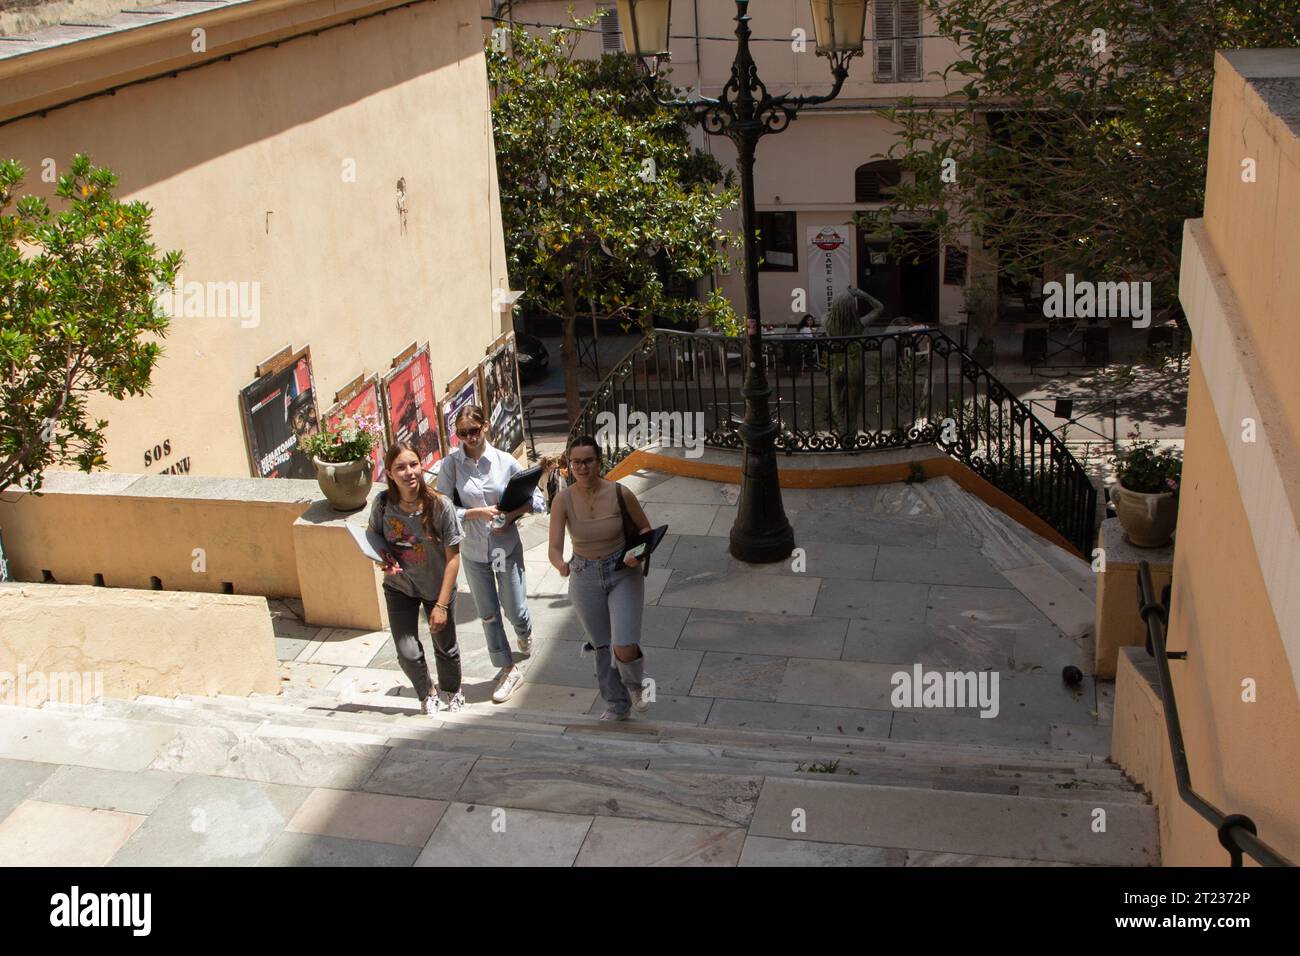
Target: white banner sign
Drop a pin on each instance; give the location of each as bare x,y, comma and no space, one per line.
830,266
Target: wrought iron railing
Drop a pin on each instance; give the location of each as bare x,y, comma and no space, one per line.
852,394
1237,832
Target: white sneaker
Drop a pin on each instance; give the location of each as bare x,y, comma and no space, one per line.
639,702
611,714
456,702
432,704
526,643
506,684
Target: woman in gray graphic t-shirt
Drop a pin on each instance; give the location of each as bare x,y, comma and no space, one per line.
423,536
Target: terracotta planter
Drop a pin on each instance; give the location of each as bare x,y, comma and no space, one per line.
345,484
1148,519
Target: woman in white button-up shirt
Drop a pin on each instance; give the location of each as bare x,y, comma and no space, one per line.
474,476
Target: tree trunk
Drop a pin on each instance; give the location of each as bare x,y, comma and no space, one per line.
569,352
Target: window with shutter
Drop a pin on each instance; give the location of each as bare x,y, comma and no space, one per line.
898,40
611,36
884,37
909,44
872,182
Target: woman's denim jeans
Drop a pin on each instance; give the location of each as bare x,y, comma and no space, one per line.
496,591
610,598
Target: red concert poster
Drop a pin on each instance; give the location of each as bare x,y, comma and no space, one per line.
412,407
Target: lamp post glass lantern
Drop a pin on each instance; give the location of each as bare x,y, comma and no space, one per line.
745,112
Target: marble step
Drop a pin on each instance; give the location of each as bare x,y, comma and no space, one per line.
1018,827
540,723
652,754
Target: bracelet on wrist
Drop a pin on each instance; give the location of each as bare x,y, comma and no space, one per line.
442,607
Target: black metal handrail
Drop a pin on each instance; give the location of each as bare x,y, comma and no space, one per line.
1237,832
892,389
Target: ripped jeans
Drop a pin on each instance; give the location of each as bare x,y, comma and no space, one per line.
499,591
610,600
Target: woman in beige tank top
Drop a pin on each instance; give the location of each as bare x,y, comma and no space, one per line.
608,594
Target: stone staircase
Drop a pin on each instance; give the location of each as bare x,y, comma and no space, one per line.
794,798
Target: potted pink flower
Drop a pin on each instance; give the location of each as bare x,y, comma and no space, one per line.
341,454
1146,494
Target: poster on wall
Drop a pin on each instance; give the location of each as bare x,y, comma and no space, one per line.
463,390
360,399
279,411
501,395
830,266
412,410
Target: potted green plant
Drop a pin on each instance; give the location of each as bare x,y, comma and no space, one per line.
1146,493
341,454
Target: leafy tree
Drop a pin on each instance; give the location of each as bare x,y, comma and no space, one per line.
1079,139
77,316
600,188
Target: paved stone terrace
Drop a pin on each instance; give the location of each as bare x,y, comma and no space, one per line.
763,674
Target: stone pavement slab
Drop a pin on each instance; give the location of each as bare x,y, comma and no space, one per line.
427,774
559,662
285,760
711,799
741,591
51,834
940,566
856,684
677,708
618,842
1056,597
741,676
345,646
769,851
212,821
822,526
549,698
953,822
801,718
368,817
138,792
947,727
306,849
935,646
58,737
484,835
19,779
881,601
751,632
999,608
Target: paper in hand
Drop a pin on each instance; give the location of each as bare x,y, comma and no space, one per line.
372,545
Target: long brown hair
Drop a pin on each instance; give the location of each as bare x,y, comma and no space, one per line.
430,500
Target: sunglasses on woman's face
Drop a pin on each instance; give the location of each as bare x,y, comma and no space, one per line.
469,432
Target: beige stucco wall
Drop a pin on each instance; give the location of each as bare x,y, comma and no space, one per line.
243,163
194,534
124,643
1253,225
1244,757
1237,553
270,538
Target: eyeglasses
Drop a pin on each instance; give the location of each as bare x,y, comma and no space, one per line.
468,432
581,462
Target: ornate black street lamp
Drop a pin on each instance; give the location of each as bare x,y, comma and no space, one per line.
745,112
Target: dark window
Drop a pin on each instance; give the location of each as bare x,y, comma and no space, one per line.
778,243
872,182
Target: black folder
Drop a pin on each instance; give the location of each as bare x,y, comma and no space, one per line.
649,538
519,489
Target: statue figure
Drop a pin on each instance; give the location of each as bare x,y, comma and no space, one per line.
845,363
